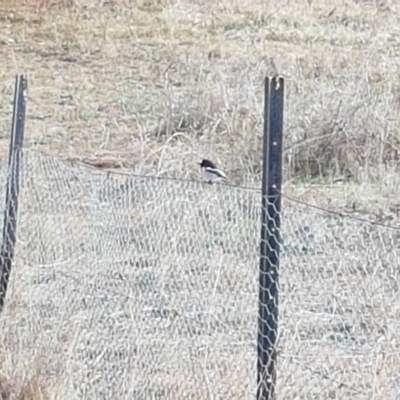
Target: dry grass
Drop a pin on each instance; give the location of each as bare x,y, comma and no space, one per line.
143,82
156,85
143,288
16,387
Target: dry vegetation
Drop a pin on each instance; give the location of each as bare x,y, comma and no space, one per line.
156,85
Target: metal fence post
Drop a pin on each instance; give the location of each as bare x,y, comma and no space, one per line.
270,238
13,183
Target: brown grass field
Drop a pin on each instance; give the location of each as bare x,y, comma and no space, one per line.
142,288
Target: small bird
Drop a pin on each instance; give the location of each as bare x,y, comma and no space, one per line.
210,172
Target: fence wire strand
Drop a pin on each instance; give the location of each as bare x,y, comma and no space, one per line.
135,288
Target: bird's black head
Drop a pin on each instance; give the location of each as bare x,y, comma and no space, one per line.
207,164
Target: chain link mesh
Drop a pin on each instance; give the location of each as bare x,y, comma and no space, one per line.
144,288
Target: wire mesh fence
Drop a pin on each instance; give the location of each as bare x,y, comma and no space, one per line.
144,288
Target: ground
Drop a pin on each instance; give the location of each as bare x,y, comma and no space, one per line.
151,88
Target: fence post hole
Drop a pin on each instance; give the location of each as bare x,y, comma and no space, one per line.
270,238
12,189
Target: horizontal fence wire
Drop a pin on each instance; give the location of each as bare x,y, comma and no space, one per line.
138,288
